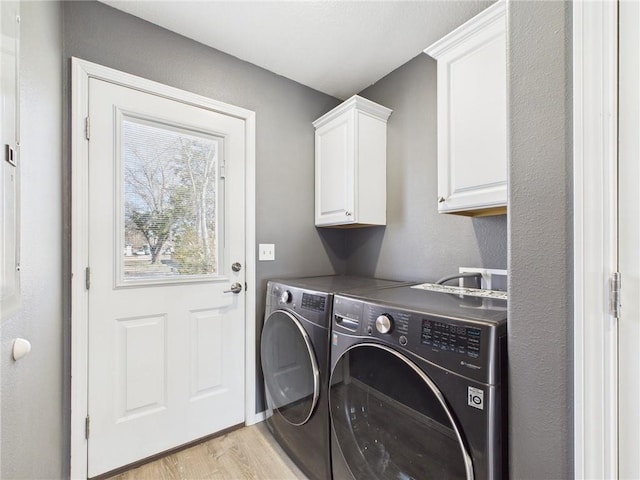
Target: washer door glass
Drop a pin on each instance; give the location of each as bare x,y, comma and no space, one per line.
390,421
290,369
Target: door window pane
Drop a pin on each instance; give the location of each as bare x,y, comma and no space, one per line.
171,220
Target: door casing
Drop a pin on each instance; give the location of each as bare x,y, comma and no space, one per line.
595,144
81,72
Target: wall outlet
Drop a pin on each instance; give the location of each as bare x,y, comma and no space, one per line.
492,279
266,252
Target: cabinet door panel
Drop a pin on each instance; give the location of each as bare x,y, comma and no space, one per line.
476,124
335,172
472,116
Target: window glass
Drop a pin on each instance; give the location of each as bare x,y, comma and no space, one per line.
170,212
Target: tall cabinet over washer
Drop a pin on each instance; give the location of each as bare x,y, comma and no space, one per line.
472,115
351,165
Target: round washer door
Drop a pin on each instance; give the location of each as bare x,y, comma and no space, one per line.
390,421
290,368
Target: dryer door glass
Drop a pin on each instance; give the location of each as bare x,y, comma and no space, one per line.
390,421
290,369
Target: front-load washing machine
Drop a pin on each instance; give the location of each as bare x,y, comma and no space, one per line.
294,351
417,387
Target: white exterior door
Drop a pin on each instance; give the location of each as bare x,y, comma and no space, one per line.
629,241
166,334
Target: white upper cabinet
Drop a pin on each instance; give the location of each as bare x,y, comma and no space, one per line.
351,165
472,116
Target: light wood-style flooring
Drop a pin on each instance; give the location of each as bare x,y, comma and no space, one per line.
249,453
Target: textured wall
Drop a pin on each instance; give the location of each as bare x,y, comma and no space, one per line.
284,134
418,243
34,427
540,260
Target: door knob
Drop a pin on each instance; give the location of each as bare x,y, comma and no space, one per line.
235,288
236,266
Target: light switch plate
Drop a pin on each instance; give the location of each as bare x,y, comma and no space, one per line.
266,251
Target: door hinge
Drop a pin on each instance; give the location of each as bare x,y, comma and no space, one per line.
223,172
87,128
87,425
614,294
87,278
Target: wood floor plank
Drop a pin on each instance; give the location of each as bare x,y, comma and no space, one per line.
249,453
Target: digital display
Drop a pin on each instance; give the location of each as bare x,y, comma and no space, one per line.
451,338
315,303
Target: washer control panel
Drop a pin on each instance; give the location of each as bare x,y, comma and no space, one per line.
461,345
385,321
451,338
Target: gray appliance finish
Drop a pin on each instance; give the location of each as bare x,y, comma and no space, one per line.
294,351
418,386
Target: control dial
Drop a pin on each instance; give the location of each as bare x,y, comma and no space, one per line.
285,297
384,323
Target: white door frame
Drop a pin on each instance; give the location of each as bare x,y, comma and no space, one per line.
595,37
82,71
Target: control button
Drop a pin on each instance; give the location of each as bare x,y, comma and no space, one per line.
369,330
286,296
403,340
384,323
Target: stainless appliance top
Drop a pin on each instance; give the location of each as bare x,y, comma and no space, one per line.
332,284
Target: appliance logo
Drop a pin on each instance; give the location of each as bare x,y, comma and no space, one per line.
470,365
475,398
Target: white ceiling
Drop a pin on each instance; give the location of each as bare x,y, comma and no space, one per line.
336,47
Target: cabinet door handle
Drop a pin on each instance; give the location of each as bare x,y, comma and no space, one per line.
441,199
348,214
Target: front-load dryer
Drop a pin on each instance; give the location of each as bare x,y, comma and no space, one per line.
294,351
417,387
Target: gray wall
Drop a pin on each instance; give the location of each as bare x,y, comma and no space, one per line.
284,134
34,422
418,243
540,255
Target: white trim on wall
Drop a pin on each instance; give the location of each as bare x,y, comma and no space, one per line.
81,72
595,237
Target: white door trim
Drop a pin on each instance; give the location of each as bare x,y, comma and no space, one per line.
595,34
81,72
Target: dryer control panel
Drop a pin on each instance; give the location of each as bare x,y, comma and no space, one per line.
314,307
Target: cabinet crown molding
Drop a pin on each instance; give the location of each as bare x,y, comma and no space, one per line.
359,103
468,29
